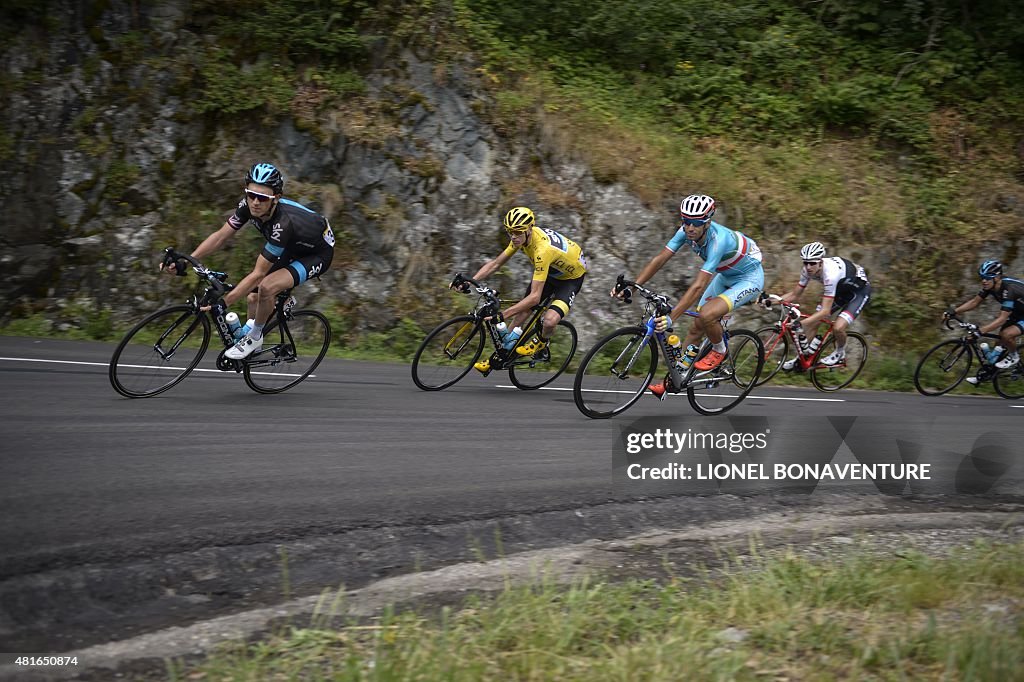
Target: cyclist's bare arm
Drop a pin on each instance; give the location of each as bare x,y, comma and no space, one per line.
968,305
212,243
250,281
995,324
794,294
649,270
491,266
532,299
821,315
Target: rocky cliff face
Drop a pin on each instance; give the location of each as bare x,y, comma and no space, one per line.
106,162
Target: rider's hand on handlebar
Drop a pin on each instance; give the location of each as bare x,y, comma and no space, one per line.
460,285
765,301
662,324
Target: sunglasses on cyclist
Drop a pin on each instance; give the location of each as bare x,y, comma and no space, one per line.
256,196
812,262
695,222
515,233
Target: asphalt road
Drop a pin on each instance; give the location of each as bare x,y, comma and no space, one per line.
92,483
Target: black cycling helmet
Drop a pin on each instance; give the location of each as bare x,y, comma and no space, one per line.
990,269
266,174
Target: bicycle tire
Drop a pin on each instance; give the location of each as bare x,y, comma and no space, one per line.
462,331
856,358
739,369
776,352
301,351
1009,383
944,357
597,394
136,367
545,371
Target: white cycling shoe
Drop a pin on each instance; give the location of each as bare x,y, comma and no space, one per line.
1009,361
245,347
834,359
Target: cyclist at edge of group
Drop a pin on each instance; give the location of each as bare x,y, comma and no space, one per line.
732,276
300,245
1009,292
559,267
845,290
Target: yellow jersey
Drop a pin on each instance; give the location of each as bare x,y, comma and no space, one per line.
553,255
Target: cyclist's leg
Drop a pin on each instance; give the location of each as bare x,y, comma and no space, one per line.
849,309
563,293
1008,338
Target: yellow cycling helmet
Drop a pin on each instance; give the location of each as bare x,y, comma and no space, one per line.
520,219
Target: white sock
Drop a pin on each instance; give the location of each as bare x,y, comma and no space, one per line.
257,331
720,346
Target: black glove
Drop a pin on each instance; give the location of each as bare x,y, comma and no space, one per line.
950,312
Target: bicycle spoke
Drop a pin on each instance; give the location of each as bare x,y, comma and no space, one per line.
159,352
290,352
832,378
614,373
545,366
448,353
721,389
943,367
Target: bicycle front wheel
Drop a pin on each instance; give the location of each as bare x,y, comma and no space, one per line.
835,377
723,388
448,353
290,353
943,367
776,352
1009,383
529,373
615,373
159,352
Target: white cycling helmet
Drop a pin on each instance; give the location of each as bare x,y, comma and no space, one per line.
697,207
813,251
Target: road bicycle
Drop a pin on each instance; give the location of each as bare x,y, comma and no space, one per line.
948,362
164,348
619,368
449,352
780,337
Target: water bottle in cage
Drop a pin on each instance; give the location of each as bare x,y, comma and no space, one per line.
815,343
675,347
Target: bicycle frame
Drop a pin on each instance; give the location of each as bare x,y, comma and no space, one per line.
486,307
970,340
656,306
804,362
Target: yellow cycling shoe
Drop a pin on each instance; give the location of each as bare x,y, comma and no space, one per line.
483,366
531,347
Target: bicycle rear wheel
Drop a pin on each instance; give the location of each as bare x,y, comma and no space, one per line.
615,373
1009,383
290,353
723,388
448,353
776,352
843,373
159,352
943,367
529,373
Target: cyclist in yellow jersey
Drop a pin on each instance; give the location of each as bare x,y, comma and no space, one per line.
559,267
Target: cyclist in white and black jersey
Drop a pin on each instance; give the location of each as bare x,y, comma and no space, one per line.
1009,293
846,291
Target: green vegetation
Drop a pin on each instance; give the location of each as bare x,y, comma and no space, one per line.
766,616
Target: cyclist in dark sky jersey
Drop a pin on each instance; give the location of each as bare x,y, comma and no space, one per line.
300,245
1009,293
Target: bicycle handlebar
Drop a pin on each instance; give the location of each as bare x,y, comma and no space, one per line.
659,301
217,280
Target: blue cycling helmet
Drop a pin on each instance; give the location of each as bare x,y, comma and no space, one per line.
990,269
266,174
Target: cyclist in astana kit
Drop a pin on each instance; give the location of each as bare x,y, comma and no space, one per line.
731,276
1010,322
846,291
300,245
559,268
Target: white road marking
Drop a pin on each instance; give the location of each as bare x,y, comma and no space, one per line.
107,364
749,397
